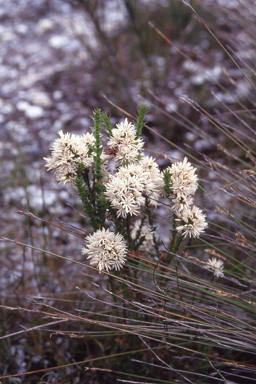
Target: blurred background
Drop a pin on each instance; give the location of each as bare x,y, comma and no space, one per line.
57,61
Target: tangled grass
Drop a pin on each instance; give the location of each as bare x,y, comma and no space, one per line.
177,318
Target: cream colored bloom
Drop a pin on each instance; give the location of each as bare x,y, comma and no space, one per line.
128,188
125,194
124,144
193,222
216,266
147,172
183,178
154,180
106,250
67,152
180,203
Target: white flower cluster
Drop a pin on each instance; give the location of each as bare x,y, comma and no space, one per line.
67,152
124,144
193,222
136,182
132,184
216,266
106,250
183,185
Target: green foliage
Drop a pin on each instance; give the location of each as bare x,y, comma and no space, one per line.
100,201
96,130
167,181
142,110
86,200
107,123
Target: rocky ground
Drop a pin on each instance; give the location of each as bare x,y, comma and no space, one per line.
40,46
49,53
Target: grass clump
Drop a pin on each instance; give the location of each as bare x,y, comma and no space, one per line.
174,300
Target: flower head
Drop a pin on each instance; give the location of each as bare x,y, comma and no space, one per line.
180,203
106,250
147,172
124,143
128,188
69,151
216,266
154,180
183,178
193,222
124,191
